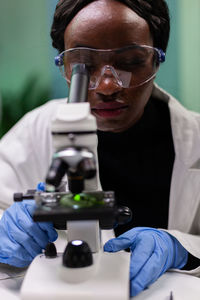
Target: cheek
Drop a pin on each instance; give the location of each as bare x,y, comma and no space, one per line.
93,98
137,98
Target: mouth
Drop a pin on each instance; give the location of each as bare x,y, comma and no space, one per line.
109,110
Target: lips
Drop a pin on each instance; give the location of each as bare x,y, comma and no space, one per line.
109,109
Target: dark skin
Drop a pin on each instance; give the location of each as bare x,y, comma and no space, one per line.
108,24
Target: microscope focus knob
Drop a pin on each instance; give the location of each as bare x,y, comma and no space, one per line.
50,250
77,255
124,215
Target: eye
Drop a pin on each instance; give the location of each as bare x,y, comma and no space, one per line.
131,63
135,61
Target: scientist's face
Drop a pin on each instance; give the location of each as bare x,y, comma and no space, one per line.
110,24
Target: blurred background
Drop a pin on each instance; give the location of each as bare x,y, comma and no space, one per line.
28,77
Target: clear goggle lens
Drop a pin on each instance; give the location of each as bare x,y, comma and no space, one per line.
130,66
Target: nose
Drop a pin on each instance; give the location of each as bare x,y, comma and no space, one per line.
108,84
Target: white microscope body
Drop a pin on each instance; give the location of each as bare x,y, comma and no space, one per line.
107,275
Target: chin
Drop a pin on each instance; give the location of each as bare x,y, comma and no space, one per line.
115,126
111,129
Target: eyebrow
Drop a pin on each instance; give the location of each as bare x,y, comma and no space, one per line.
88,46
83,46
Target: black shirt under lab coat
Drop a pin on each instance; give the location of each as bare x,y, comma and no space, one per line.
137,164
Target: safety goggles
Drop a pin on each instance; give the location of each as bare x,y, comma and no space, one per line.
127,67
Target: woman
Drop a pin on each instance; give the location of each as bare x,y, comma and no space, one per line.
147,142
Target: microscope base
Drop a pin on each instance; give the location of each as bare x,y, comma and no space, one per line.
107,279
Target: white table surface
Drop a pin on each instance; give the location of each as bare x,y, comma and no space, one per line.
184,287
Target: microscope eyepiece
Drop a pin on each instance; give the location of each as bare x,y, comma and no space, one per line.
78,90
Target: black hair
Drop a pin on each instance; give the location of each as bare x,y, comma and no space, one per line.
155,12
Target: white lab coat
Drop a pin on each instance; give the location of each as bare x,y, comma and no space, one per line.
26,152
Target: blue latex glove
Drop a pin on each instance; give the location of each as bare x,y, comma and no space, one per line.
21,239
153,252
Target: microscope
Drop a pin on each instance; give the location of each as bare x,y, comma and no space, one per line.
83,271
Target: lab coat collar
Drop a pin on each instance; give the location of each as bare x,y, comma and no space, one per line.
185,129
185,183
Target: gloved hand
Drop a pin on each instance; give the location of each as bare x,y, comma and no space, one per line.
153,252
21,239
